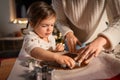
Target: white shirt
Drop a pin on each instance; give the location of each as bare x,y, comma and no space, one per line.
32,40
87,19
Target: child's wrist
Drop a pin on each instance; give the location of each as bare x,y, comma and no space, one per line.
56,57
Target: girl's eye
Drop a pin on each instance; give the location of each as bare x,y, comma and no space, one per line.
52,25
44,26
47,25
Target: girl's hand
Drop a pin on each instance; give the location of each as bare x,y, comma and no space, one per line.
59,47
62,59
72,41
92,50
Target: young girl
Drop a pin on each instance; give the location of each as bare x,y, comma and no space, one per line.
39,42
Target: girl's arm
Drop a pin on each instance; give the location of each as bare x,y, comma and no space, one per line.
42,54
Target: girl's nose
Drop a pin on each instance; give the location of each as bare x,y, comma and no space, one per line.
50,28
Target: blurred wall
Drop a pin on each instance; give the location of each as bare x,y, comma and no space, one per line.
7,28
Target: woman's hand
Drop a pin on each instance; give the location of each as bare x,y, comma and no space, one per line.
59,47
65,60
72,41
92,50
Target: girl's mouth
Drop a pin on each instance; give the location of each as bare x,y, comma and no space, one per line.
47,33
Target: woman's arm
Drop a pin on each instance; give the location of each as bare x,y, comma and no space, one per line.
113,30
61,22
107,39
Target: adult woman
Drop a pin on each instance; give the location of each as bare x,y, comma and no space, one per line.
84,21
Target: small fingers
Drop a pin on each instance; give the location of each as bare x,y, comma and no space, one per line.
72,63
60,47
69,62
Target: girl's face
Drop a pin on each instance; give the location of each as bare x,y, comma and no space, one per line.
45,27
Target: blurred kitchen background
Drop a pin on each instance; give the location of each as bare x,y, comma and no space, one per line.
12,20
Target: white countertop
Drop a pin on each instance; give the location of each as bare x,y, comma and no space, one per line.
104,66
